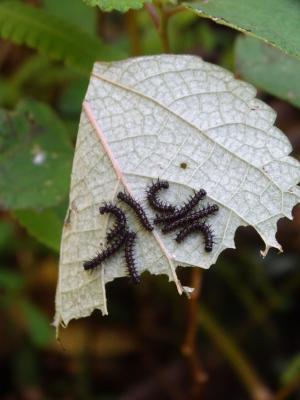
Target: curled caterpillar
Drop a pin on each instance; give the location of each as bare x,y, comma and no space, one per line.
121,222
183,211
154,201
193,217
195,227
137,208
110,250
129,257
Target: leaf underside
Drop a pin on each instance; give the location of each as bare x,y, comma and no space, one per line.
145,118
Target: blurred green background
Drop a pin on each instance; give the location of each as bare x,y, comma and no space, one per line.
247,317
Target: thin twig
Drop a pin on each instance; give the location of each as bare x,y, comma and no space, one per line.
161,24
189,347
152,11
170,11
239,362
133,32
163,31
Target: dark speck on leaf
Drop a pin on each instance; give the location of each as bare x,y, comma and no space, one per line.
183,165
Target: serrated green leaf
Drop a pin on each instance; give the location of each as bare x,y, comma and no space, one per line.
268,69
45,225
51,35
35,157
274,21
119,5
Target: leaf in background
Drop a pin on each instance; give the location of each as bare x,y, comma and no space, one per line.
144,118
292,370
268,69
38,326
45,226
6,233
35,157
24,24
75,12
119,5
10,281
71,100
274,21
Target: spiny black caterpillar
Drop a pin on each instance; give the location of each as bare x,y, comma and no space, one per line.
182,211
173,218
110,250
154,201
189,218
117,237
129,257
137,208
194,227
121,220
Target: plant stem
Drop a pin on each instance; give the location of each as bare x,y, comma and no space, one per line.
133,32
152,11
163,31
189,347
170,11
238,360
161,23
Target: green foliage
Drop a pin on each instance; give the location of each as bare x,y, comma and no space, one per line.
37,324
6,232
261,307
274,21
292,371
10,281
50,35
71,99
268,69
37,77
119,5
35,159
45,225
75,12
